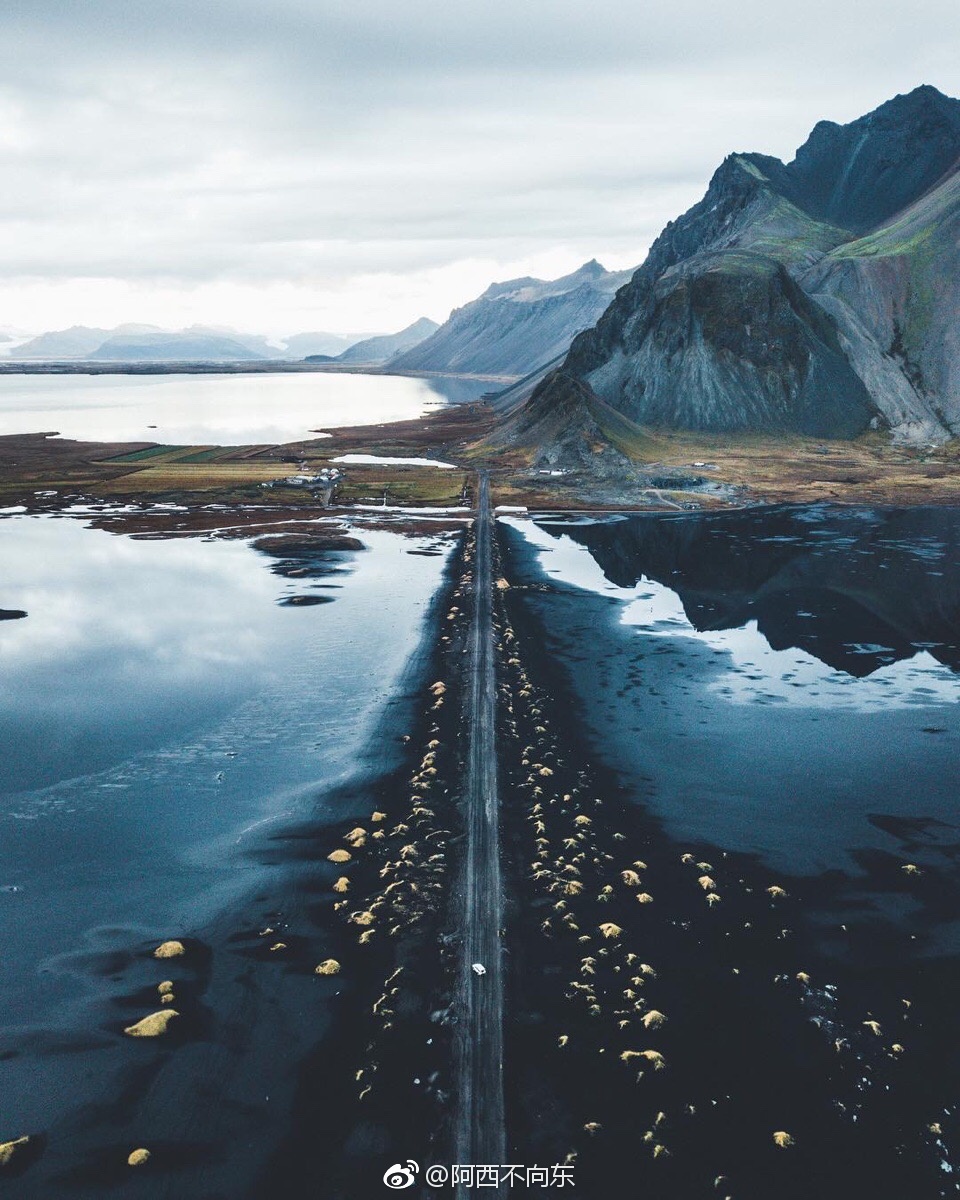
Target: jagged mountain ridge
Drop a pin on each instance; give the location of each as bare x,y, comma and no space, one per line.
517,326
751,310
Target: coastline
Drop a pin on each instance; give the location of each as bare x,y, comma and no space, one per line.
223,1099
765,996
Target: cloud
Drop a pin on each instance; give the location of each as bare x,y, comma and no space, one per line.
181,149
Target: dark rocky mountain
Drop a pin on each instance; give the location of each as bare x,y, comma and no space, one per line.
516,327
375,351
820,296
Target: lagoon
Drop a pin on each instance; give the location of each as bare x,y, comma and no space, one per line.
223,410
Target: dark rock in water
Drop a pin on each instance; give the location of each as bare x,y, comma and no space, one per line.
820,296
304,601
12,614
299,545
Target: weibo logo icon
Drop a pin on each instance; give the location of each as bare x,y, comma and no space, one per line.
400,1175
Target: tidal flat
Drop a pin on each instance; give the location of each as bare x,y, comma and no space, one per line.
736,885
177,737
725,747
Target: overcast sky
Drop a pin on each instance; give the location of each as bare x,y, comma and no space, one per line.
283,165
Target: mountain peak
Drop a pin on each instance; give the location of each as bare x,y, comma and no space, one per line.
589,270
860,174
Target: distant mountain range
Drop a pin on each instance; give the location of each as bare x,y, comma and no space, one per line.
149,343
385,347
516,327
513,329
820,297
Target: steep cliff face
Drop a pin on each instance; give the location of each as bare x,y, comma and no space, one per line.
731,342
862,174
766,307
515,327
895,295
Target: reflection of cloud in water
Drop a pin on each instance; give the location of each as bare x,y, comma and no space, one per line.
124,639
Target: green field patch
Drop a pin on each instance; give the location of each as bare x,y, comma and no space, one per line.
146,455
200,456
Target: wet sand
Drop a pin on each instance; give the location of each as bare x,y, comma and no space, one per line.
259,1065
767,997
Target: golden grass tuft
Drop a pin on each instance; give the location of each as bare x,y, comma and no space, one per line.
155,1025
706,883
686,859
873,1026
339,856
563,1039
644,898
655,1058
911,869
138,1158
610,930
776,892
377,817
329,966
342,884
363,918
165,986
9,1151
712,898
653,1019
630,878
783,1139
170,949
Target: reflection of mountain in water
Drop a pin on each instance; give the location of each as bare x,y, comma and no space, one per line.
858,589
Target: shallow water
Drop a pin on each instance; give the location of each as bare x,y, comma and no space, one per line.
162,712
780,682
225,410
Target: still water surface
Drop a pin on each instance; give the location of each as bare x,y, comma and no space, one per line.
161,713
224,410
781,681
